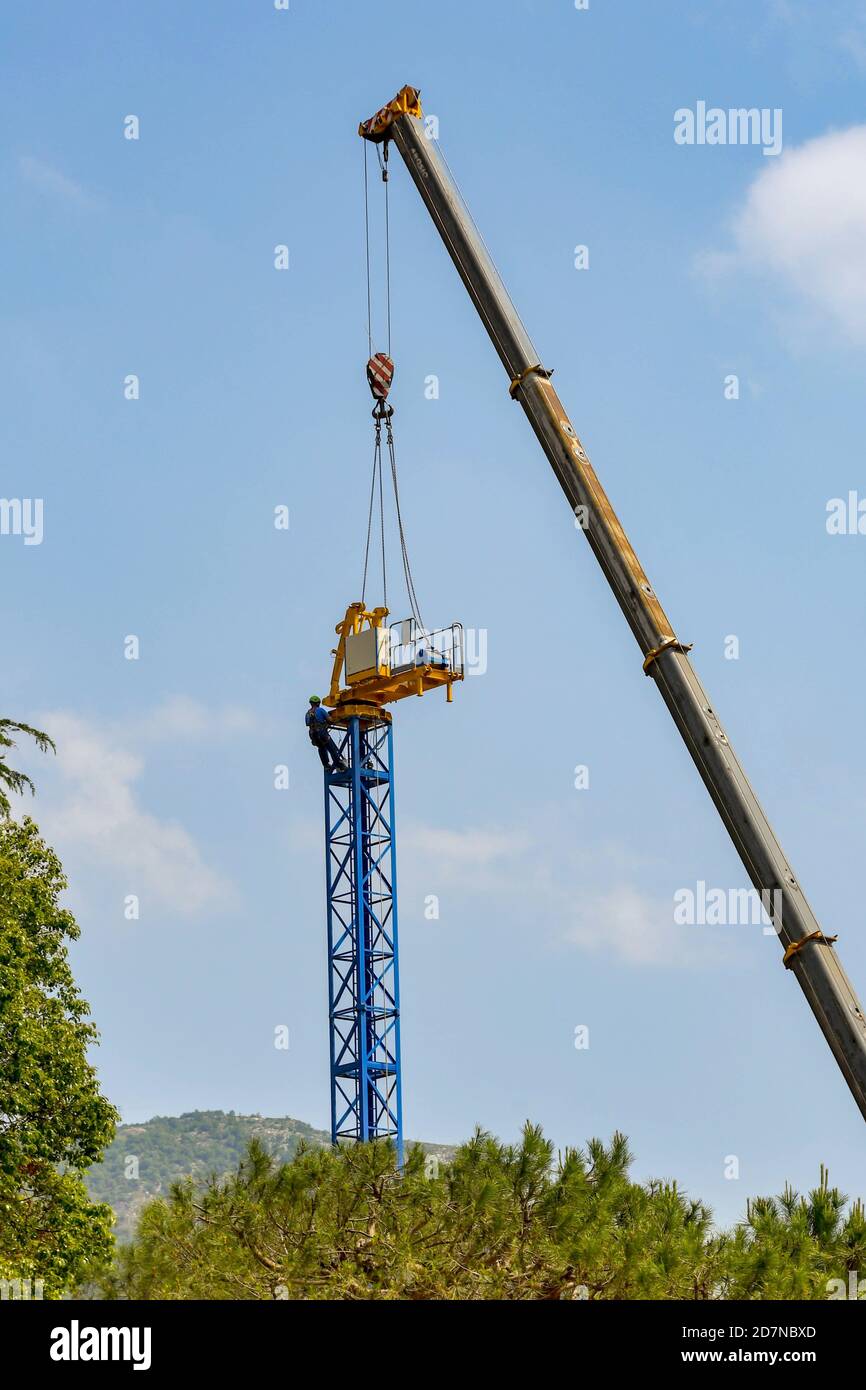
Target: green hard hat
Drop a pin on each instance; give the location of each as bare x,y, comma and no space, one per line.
314,700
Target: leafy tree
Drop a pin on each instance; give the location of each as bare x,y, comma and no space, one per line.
791,1246
10,780
497,1222
54,1122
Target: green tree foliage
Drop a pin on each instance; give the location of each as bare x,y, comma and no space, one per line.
791,1246
53,1120
10,780
497,1222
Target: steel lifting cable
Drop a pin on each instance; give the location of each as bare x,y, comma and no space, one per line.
382,412
367,243
387,249
377,472
407,570
382,155
376,452
382,518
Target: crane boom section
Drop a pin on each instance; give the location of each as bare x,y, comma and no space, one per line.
808,953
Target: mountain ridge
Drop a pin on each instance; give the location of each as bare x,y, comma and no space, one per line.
145,1159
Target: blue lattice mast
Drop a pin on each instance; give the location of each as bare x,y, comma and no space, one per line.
379,665
363,964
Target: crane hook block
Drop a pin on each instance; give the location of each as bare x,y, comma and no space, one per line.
380,374
407,102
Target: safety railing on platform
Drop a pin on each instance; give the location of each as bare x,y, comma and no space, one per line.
411,646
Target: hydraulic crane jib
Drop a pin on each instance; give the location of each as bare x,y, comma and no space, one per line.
807,952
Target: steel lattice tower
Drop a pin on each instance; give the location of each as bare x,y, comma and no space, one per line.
363,983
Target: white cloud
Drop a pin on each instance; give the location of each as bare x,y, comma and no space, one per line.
575,895
452,851
630,924
182,717
51,181
812,33
90,805
853,41
804,222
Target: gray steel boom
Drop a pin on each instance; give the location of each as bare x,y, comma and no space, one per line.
809,954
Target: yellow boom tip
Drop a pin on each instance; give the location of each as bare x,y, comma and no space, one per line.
407,102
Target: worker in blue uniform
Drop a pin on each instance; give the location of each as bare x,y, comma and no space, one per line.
316,720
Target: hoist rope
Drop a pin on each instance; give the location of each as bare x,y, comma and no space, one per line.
383,169
377,473
370,519
367,246
407,571
387,255
383,412
414,605
382,522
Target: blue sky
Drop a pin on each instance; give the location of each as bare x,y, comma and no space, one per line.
155,257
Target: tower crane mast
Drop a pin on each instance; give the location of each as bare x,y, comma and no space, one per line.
807,952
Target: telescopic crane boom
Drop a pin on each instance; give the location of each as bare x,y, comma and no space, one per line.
808,953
